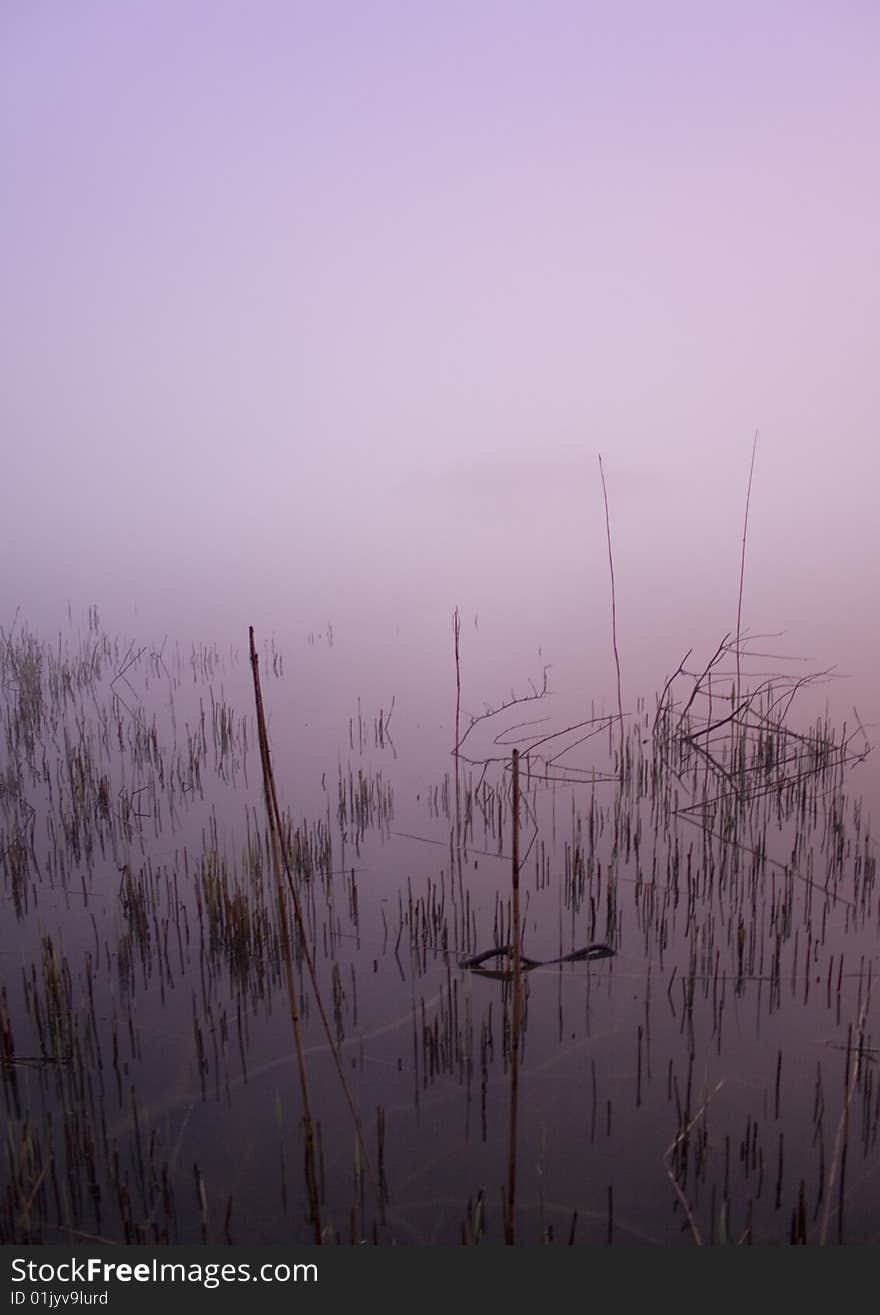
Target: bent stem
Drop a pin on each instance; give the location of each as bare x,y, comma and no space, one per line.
271,809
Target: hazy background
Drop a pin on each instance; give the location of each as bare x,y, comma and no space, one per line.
322,312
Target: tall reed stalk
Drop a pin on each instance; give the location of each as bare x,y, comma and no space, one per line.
613,615
362,1152
284,928
742,569
516,1024
456,630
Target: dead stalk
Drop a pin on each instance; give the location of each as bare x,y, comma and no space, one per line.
313,976
284,928
613,613
516,986
840,1140
670,1151
742,570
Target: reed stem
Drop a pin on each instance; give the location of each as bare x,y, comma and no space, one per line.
284,929
510,1198
313,977
613,614
742,569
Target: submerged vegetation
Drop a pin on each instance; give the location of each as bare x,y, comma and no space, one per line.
221,1021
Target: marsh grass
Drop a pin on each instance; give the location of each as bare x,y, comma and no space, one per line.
714,1078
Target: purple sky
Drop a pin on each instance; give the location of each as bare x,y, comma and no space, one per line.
303,300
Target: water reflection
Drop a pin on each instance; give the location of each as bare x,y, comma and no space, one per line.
710,1078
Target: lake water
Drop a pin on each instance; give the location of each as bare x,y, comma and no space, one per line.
712,1078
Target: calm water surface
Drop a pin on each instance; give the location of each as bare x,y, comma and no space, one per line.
713,1078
